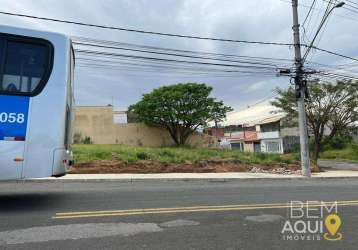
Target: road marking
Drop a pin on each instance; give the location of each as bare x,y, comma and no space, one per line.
128,212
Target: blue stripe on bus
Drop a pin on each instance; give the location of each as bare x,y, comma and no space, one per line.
13,116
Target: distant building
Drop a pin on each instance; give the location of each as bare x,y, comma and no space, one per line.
245,141
275,137
267,135
215,132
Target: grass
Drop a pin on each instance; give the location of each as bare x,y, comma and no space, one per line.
350,152
131,154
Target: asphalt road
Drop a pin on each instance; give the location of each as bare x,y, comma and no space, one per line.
168,215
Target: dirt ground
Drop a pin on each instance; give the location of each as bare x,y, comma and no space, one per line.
144,167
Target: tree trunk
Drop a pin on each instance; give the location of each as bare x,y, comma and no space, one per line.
318,136
316,151
175,139
179,134
184,135
332,133
174,135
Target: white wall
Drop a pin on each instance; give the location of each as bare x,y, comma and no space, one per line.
268,135
265,146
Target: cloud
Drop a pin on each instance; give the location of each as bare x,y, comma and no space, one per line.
260,20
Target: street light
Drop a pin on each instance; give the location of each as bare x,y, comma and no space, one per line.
338,5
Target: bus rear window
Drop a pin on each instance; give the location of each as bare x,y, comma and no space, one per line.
25,67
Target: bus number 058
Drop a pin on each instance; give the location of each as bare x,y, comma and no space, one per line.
12,117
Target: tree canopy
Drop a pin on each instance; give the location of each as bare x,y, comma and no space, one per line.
331,108
180,108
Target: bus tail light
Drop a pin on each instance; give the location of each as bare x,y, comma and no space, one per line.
16,138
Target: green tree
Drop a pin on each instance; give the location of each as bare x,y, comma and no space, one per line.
180,109
330,108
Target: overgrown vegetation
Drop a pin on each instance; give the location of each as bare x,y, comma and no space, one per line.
175,155
330,105
347,152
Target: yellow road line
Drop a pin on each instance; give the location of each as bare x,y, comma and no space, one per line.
71,215
193,207
170,208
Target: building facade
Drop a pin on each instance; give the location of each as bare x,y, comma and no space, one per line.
269,135
245,141
275,137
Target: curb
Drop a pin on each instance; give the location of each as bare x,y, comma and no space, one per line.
131,180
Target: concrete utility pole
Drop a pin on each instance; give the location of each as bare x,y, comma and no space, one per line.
300,94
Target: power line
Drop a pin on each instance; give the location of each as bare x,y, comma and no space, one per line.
323,21
141,64
348,7
145,63
263,59
162,66
308,18
161,33
354,3
135,66
93,52
172,54
121,44
271,96
309,12
144,31
139,71
170,35
335,53
320,10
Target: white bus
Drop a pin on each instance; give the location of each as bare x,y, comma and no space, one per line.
36,103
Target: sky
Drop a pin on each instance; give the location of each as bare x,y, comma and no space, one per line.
257,20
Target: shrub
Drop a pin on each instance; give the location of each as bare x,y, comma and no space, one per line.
77,137
166,153
338,142
275,157
297,156
261,156
87,140
354,148
142,156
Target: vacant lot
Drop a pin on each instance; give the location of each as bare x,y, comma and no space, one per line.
349,152
129,159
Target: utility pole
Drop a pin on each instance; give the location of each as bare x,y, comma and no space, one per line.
300,87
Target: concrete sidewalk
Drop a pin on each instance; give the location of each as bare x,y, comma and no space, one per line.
338,164
334,174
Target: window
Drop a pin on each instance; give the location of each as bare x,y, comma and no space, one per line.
237,145
273,147
25,66
270,127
